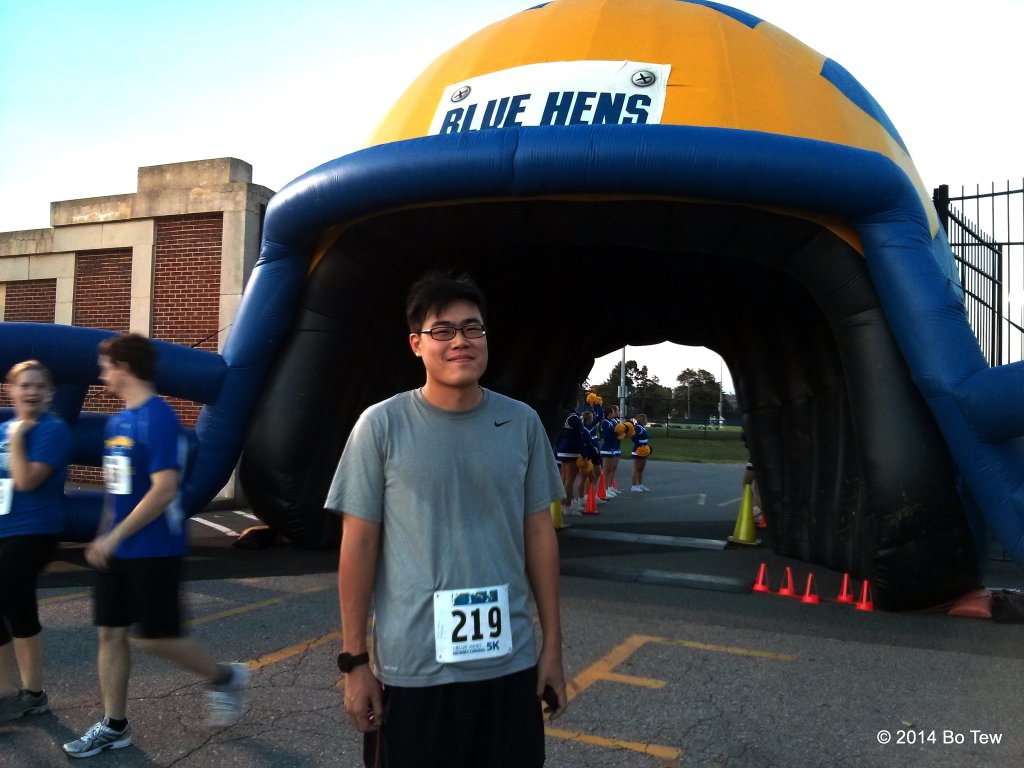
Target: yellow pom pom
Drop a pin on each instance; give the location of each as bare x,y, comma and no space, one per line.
643,451
586,466
593,399
630,429
620,431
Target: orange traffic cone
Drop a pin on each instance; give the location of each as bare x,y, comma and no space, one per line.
743,533
761,585
845,595
590,508
786,587
602,489
810,592
865,603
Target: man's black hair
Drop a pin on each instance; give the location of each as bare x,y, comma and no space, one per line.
435,291
133,350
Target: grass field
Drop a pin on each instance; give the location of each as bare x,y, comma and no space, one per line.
713,446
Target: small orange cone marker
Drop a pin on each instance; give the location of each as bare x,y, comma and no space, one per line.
590,508
602,489
865,603
761,585
786,588
845,595
810,592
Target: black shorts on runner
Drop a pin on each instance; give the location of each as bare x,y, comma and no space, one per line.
22,559
144,591
487,724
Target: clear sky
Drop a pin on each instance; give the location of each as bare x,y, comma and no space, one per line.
91,91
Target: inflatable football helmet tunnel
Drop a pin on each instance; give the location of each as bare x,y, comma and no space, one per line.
626,172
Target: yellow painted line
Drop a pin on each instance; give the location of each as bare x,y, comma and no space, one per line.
238,610
600,669
643,682
603,669
654,750
728,649
63,598
275,657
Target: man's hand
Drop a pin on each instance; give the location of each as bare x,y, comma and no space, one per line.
100,551
550,676
364,702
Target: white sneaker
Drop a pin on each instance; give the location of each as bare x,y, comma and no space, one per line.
637,489
600,501
225,704
644,488
97,739
572,511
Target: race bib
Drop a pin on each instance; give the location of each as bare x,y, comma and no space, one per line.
6,495
472,624
117,475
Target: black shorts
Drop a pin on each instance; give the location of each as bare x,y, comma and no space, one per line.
487,724
22,559
144,591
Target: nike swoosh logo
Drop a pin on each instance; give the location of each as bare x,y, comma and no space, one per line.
502,423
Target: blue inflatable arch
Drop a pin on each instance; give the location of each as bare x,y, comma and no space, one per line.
884,443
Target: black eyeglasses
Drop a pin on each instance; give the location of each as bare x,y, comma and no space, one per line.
447,332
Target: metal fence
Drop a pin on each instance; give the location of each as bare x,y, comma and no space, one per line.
986,233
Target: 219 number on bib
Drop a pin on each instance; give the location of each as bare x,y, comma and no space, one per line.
493,623
471,624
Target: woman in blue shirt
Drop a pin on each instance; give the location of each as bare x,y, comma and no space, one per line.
34,449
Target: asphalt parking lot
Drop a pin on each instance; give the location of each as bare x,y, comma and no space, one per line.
672,661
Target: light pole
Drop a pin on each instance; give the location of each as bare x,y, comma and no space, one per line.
687,401
720,389
622,386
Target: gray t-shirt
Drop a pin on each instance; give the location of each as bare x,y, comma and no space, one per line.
451,491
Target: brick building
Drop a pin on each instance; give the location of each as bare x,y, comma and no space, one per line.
170,261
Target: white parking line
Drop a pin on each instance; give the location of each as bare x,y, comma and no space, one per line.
250,515
223,529
701,499
731,501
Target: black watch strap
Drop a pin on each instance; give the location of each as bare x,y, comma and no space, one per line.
347,661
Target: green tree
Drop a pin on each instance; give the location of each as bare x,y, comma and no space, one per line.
700,389
646,393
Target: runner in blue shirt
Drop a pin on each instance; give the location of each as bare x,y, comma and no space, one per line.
139,550
34,448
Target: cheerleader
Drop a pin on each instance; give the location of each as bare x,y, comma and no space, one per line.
641,450
611,448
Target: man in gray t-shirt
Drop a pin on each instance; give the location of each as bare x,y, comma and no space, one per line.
445,492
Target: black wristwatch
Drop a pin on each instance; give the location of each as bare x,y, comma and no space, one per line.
347,662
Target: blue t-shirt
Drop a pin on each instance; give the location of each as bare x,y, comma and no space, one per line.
40,511
140,442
